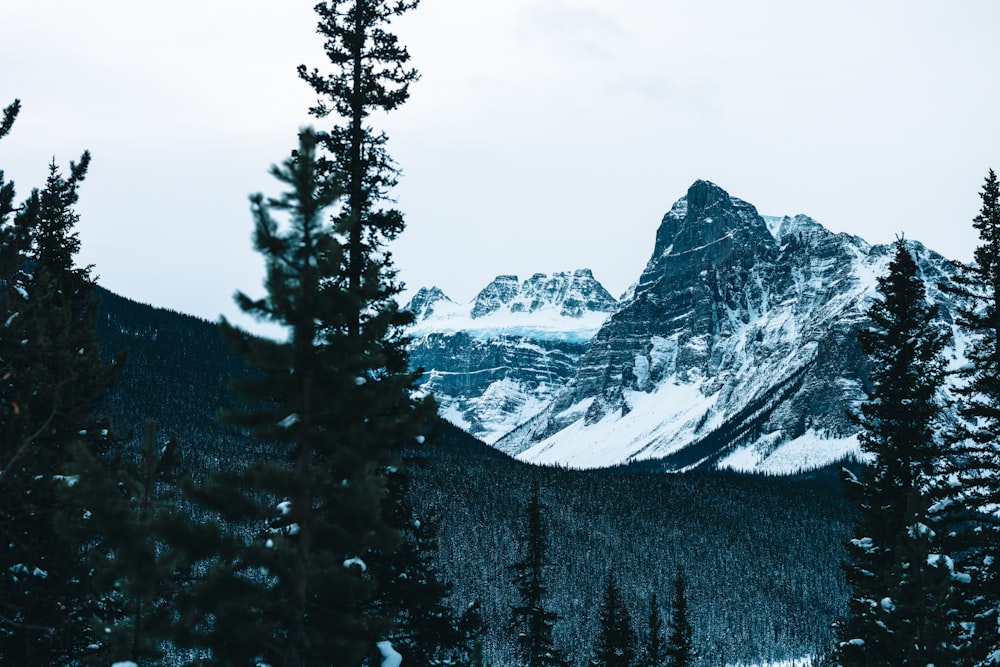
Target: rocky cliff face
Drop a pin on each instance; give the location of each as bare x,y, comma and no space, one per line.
736,348
501,359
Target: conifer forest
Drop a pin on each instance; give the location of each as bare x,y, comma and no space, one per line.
180,492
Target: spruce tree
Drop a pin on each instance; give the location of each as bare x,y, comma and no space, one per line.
52,380
680,644
531,622
334,405
13,230
134,531
426,629
973,523
919,615
370,75
654,645
899,421
616,639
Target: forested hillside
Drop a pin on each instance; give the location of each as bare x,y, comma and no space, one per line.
760,553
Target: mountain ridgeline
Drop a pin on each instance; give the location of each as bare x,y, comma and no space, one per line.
503,357
736,348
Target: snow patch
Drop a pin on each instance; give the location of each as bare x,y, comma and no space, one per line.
390,656
807,452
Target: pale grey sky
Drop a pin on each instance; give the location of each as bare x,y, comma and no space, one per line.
544,135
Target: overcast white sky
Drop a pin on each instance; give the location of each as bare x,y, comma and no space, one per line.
544,135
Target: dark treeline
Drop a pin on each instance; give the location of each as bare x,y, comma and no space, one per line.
761,555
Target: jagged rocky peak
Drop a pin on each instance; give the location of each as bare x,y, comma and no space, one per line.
703,229
571,293
423,302
497,294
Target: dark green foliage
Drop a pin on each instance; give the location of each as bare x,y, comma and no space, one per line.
370,75
680,643
133,536
654,644
919,616
427,631
52,380
616,638
973,526
178,374
899,420
13,234
293,587
8,117
531,622
646,524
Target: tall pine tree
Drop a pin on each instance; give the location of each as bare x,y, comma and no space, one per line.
52,380
135,526
370,75
531,622
654,644
887,568
975,533
616,638
335,402
680,642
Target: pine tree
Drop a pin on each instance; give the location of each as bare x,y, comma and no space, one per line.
13,232
335,406
919,615
370,75
654,645
133,531
680,644
531,622
51,384
899,420
973,524
616,641
427,631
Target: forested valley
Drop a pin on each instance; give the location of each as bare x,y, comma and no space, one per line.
761,554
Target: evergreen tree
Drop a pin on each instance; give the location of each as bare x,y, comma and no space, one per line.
427,631
973,523
135,525
919,615
654,645
531,622
51,385
334,407
13,232
370,75
616,641
680,645
898,420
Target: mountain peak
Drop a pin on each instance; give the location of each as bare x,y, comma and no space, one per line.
571,293
703,195
703,231
423,302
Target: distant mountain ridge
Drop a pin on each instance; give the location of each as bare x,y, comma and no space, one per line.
736,348
498,360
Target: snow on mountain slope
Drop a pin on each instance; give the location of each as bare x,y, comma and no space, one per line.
736,348
497,361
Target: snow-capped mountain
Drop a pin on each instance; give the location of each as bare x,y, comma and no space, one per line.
499,360
737,347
